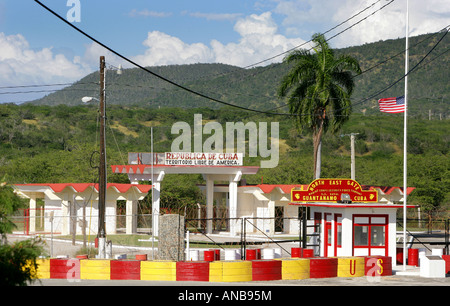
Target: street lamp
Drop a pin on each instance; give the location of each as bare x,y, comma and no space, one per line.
88,99
101,234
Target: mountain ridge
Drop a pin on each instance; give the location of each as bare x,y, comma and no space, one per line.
255,88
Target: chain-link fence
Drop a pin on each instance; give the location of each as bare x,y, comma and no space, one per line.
428,234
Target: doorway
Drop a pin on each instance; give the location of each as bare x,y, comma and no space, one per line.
279,219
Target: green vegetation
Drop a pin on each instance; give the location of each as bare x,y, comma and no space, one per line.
17,260
320,86
43,144
382,64
40,143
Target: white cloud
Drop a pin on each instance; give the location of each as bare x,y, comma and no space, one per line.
148,13
215,16
309,16
22,65
306,12
259,40
163,49
94,51
389,23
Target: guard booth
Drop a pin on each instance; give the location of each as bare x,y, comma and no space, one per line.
352,221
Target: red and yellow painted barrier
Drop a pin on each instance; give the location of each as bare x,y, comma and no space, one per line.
230,271
295,268
193,271
64,268
95,269
125,269
43,268
323,267
215,271
378,265
350,266
159,270
266,269
446,258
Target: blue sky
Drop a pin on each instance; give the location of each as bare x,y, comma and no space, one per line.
36,48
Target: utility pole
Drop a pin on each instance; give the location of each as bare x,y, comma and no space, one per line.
102,166
101,234
352,150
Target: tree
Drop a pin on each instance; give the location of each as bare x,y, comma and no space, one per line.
17,261
319,86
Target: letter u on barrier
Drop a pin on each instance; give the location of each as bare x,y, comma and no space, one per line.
352,267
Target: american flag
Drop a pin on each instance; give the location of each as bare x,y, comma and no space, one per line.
392,105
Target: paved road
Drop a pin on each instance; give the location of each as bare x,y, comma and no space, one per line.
394,280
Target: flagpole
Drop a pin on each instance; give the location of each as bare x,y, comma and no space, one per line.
405,140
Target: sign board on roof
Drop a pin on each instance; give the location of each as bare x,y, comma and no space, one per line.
187,159
203,159
334,190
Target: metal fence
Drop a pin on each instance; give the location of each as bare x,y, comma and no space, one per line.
252,232
247,232
431,233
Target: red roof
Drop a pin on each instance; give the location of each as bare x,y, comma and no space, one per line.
129,168
80,187
139,169
268,188
354,205
388,189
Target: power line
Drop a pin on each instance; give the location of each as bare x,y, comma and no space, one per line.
385,61
196,92
214,99
346,29
301,45
400,79
149,71
45,85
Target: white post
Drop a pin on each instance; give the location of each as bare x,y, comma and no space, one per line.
209,203
405,140
352,149
232,206
156,182
232,189
32,215
187,246
131,217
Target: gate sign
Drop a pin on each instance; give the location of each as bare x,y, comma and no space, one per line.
334,190
203,159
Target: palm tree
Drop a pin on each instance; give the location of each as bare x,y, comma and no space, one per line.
319,86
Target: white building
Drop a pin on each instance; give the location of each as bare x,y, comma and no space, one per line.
70,204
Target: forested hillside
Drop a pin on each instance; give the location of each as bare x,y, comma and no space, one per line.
52,144
54,139
382,64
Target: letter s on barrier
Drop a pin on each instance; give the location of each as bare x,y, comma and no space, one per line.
379,262
373,274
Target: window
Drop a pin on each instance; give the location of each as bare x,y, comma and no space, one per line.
377,236
361,235
370,232
339,235
338,229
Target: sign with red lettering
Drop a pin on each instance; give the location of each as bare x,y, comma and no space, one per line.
334,190
203,159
